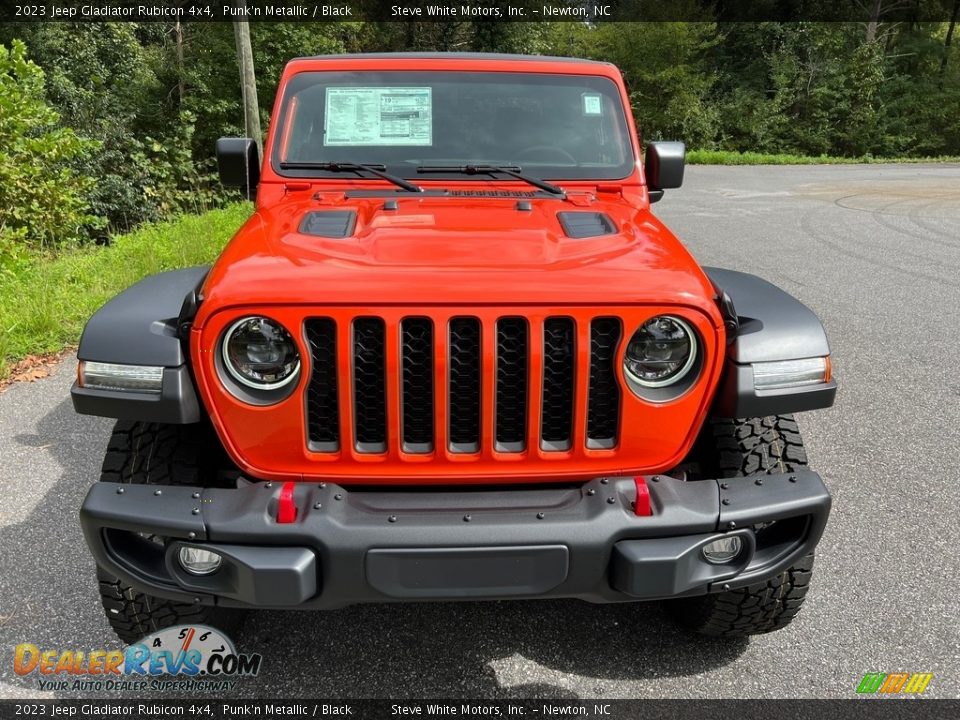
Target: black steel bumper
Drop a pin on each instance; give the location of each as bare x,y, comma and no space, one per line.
350,546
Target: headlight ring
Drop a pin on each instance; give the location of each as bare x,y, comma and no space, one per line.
260,354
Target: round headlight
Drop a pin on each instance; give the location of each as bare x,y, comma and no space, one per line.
661,352
260,353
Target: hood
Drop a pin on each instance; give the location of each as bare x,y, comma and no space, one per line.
463,248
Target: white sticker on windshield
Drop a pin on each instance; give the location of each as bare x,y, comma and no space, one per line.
592,104
378,116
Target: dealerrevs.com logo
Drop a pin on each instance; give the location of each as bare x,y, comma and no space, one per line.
894,683
183,657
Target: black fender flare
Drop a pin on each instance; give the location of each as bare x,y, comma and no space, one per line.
142,326
770,325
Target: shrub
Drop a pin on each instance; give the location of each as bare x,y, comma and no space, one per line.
42,199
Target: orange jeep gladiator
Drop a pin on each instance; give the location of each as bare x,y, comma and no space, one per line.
453,355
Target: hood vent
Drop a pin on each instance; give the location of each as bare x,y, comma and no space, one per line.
329,223
586,224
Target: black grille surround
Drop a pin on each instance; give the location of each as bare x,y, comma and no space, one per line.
464,377
559,371
416,359
603,407
369,385
323,405
512,374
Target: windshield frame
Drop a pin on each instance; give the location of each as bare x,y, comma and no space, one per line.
295,84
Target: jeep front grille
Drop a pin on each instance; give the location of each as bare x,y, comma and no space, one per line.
505,384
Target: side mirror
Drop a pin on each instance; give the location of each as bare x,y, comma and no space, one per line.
663,167
238,161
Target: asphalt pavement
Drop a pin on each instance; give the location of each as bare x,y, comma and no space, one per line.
874,250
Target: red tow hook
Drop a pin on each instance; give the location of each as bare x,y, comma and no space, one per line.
641,506
286,508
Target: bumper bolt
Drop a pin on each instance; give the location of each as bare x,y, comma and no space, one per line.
467,518
392,518
195,496
655,478
726,501
792,478
196,511
591,491
724,486
191,535
541,516
323,485
269,485
119,491
157,492
317,506
338,496
731,525
759,481
611,500
604,481
726,587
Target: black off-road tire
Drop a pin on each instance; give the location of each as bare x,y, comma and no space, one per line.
734,448
155,454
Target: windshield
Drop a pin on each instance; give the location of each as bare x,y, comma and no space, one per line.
551,126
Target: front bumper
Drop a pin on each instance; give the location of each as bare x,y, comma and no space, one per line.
350,546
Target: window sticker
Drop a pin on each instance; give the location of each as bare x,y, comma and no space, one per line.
592,104
378,116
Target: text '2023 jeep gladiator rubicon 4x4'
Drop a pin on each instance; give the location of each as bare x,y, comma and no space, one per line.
453,355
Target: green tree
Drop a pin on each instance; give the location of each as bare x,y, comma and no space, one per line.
42,199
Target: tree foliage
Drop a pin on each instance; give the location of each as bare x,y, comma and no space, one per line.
43,202
138,108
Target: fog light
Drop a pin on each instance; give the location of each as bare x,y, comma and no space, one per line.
198,561
722,550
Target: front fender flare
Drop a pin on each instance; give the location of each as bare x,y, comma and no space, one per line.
773,325
141,326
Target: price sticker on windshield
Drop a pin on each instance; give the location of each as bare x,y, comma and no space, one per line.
592,104
369,116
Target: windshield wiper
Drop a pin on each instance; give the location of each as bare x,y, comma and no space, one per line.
374,169
511,170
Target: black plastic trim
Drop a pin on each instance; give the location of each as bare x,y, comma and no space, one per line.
175,404
582,224
140,325
773,325
770,325
329,223
378,546
738,398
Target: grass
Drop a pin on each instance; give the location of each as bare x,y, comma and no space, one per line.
44,303
724,157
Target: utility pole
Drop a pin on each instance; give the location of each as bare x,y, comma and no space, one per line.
248,80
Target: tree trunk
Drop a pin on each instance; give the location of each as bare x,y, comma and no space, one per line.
949,39
874,21
178,39
248,80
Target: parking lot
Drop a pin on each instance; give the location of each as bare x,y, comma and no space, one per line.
874,250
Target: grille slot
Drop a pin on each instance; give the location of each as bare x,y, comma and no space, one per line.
556,421
464,384
416,347
323,415
603,408
369,385
512,374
